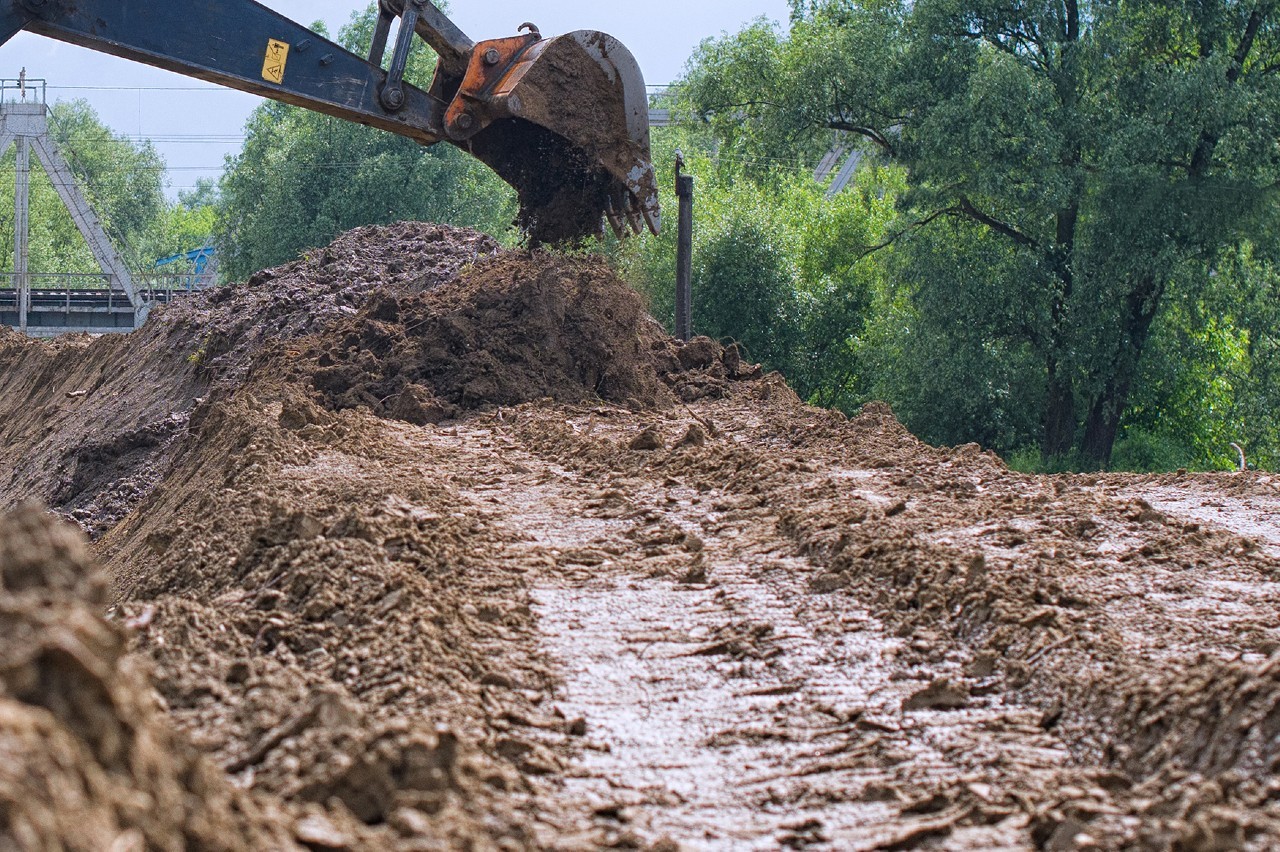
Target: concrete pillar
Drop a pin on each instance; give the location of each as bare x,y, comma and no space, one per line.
22,231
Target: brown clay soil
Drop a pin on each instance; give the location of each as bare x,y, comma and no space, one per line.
416,544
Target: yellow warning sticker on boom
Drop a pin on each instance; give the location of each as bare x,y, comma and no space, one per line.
277,58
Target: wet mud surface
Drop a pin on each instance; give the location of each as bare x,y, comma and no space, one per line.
1249,506
477,558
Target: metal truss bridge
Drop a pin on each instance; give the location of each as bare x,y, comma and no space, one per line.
43,304
55,304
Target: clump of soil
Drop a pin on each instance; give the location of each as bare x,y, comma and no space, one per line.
562,194
560,165
90,760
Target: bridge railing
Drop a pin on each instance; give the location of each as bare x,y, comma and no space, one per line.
69,290
64,291
162,287
60,281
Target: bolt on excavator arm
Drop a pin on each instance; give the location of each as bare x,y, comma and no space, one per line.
563,120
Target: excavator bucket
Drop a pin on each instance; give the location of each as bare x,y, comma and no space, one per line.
565,121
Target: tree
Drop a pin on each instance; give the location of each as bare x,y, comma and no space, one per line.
303,178
204,194
123,179
1099,154
1212,374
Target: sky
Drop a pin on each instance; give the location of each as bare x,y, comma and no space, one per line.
196,125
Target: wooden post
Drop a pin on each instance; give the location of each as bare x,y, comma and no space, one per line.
684,253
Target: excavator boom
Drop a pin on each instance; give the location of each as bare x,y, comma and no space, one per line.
564,120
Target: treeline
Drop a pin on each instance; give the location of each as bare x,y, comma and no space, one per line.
1064,243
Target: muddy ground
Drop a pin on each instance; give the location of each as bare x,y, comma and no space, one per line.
417,544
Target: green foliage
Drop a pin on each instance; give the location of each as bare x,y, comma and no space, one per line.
123,179
778,267
1210,378
746,289
1153,452
205,194
303,178
1030,460
180,228
946,346
1074,172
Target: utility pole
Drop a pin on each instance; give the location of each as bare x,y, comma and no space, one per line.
684,253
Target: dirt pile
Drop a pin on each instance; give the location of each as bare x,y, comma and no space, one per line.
514,328
90,759
305,297
321,625
89,426
290,561
412,320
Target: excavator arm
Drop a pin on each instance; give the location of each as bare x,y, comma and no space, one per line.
564,120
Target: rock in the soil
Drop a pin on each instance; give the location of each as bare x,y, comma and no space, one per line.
982,665
696,436
699,353
732,359
696,575
648,440
693,543
942,694
318,832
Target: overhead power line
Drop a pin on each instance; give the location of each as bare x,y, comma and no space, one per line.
143,89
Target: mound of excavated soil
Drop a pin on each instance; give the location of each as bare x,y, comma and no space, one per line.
410,319
515,328
89,759
90,425
320,620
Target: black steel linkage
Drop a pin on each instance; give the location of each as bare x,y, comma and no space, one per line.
237,43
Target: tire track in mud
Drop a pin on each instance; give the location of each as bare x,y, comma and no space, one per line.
656,577
721,703
1062,594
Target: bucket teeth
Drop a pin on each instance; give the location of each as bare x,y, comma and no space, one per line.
633,214
565,121
615,220
652,219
